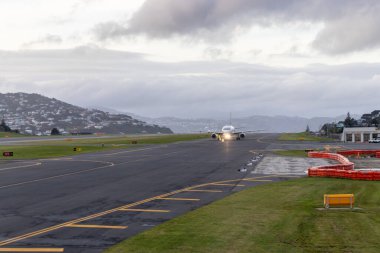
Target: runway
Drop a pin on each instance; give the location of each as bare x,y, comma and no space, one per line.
89,202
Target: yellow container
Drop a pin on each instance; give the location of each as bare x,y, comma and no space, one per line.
339,200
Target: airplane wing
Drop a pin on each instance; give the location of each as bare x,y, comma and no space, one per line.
253,131
249,131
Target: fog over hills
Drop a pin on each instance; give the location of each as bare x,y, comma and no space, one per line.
36,114
268,124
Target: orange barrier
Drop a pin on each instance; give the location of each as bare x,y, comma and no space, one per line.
346,168
375,153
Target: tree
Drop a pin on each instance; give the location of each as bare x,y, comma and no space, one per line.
55,131
4,127
349,122
375,122
307,129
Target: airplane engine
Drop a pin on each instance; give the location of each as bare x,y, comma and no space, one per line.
213,136
242,135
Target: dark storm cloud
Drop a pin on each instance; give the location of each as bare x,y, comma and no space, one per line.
350,33
349,25
94,76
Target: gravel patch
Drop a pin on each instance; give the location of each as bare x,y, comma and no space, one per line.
287,165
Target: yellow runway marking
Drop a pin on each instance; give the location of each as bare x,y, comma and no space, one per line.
31,250
121,208
236,185
146,210
204,191
180,199
96,226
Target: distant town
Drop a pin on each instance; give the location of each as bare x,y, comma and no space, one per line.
38,115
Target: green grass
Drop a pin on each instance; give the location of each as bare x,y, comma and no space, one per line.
126,140
46,151
11,135
278,217
64,147
296,153
302,137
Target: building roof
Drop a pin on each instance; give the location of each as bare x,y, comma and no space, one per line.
361,129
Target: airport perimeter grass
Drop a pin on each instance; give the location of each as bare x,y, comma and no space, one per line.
64,147
11,135
127,139
303,137
47,151
277,217
294,153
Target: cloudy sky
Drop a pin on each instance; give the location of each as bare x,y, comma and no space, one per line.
198,58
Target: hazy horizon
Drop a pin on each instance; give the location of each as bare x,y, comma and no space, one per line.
196,59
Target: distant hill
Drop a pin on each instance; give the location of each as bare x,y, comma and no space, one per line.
36,114
269,124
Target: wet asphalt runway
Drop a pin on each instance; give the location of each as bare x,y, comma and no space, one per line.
89,202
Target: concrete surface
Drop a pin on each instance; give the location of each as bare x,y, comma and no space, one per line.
287,165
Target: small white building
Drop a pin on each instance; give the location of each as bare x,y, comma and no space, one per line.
360,134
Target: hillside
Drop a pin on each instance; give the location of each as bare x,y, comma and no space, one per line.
36,114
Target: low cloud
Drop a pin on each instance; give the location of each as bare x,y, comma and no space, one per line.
128,82
49,39
351,33
349,25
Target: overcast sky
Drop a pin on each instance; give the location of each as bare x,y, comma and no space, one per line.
198,58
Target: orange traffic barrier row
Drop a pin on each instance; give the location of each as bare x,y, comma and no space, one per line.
345,169
360,152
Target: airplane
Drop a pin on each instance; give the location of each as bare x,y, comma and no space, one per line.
228,133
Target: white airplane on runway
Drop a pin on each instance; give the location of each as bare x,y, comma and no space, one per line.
229,133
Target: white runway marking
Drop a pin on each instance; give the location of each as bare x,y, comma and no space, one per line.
129,151
22,166
57,176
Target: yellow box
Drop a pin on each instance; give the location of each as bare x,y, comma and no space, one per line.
339,200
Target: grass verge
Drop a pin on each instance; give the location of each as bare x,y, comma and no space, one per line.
278,217
125,140
296,153
11,135
47,151
303,137
64,147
